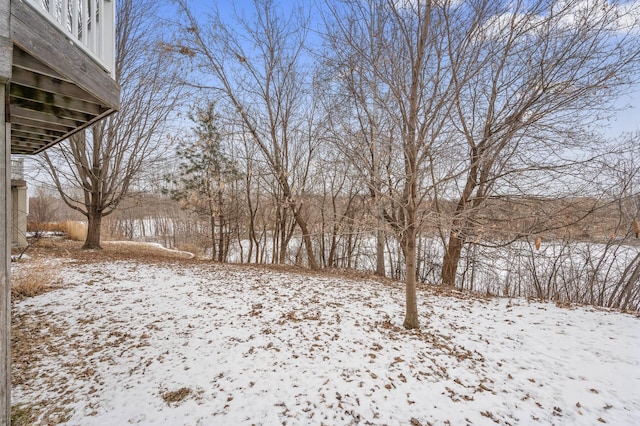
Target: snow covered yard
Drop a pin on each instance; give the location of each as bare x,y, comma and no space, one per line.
127,342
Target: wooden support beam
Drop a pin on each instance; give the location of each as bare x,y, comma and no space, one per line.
25,61
43,139
16,128
22,115
47,98
39,124
26,145
56,88
55,111
5,263
30,79
44,117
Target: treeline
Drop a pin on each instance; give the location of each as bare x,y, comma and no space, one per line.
580,258
412,138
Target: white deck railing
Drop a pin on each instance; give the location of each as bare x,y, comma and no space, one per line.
17,169
90,24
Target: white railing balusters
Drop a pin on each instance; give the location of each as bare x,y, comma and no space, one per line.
85,22
64,13
17,169
94,24
108,52
74,18
89,23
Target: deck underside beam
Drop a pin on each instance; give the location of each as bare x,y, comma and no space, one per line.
56,89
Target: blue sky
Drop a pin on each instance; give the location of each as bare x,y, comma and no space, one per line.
625,120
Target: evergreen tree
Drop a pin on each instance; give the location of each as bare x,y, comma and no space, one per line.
203,178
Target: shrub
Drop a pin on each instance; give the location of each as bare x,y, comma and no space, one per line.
76,231
46,227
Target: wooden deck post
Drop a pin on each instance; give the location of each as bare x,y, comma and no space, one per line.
5,263
6,61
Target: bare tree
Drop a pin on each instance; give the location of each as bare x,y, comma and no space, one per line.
624,170
528,82
409,73
103,161
42,208
355,106
256,67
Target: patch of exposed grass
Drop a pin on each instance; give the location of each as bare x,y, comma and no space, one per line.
33,281
140,250
47,248
22,415
27,414
190,248
45,243
177,396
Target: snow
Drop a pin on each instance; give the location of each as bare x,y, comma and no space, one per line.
251,345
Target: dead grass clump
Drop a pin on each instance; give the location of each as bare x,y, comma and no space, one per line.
177,396
44,412
190,248
46,227
33,281
45,243
76,231
22,415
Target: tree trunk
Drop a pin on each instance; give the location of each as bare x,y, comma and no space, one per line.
222,252
621,281
94,218
451,260
275,238
380,267
212,228
410,193
223,241
409,247
332,250
284,241
252,230
350,249
306,238
629,285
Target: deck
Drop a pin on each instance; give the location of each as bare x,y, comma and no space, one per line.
61,70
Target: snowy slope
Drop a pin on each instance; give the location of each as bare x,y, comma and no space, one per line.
171,344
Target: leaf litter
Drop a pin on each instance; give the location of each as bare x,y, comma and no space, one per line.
130,342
